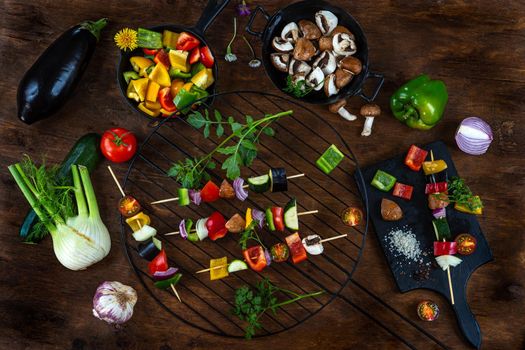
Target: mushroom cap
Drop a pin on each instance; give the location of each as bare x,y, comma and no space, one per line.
370,110
351,64
281,45
297,66
329,85
315,79
309,29
290,32
342,78
280,61
343,44
304,50
325,43
335,107
326,21
326,61
341,29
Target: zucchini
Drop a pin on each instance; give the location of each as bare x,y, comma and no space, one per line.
259,184
291,220
269,219
149,39
86,151
184,197
278,180
441,228
237,265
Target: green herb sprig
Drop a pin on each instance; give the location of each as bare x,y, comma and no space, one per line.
249,234
191,172
460,193
251,304
298,89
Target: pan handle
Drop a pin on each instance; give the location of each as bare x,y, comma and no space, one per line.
376,89
252,18
211,11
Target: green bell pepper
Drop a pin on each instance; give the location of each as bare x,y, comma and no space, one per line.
165,284
184,99
196,68
177,73
383,181
420,102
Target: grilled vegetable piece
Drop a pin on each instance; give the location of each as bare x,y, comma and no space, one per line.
184,196
150,249
441,228
291,220
278,180
280,252
219,268
390,211
259,184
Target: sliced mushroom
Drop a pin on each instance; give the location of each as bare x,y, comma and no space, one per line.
282,45
280,61
369,111
351,64
296,78
299,67
304,50
329,85
309,29
339,108
325,43
326,21
290,32
342,78
343,44
315,79
341,29
327,62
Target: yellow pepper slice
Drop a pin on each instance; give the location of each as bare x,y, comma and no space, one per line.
138,221
187,86
140,64
153,91
219,268
153,105
249,217
434,167
140,86
169,39
178,60
203,79
464,209
151,113
160,75
131,93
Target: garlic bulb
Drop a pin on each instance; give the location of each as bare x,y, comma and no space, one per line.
113,302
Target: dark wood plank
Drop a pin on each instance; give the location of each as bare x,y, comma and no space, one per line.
478,48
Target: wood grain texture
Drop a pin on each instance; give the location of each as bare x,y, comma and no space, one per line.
478,48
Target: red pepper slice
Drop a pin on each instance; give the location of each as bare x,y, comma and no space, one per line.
151,52
216,226
166,101
162,57
210,192
437,187
255,258
297,250
187,42
278,221
207,58
195,55
444,248
159,263
415,157
403,191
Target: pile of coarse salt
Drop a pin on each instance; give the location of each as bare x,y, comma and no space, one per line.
403,242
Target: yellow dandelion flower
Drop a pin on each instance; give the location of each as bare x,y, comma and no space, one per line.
126,39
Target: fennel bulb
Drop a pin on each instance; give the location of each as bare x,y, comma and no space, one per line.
78,241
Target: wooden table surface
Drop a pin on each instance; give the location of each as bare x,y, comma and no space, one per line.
477,48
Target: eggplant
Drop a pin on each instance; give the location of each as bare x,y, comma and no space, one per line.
48,84
279,182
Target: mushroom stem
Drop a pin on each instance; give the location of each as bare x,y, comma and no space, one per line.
347,115
367,129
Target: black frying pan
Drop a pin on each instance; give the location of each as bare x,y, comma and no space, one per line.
306,10
211,11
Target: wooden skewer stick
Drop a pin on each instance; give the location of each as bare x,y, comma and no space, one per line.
449,282
332,238
193,230
173,199
175,292
116,181
212,268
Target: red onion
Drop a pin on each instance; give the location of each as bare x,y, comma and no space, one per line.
195,197
268,257
474,136
439,213
182,229
259,216
164,275
240,192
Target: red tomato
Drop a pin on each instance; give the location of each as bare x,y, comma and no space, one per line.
162,57
297,250
128,206
207,57
466,244
403,191
195,55
255,258
187,42
151,52
210,192
159,263
118,145
216,226
166,100
278,221
415,157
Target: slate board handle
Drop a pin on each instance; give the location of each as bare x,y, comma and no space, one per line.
466,320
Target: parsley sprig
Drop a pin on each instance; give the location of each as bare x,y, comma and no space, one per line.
240,146
298,89
251,304
460,193
250,234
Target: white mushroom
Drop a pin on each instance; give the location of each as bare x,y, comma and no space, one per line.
339,108
343,44
326,21
282,45
315,79
313,245
327,62
290,32
280,61
304,50
329,85
369,111
299,67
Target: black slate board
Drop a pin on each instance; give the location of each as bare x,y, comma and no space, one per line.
418,218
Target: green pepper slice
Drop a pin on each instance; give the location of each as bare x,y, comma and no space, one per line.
165,284
383,181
